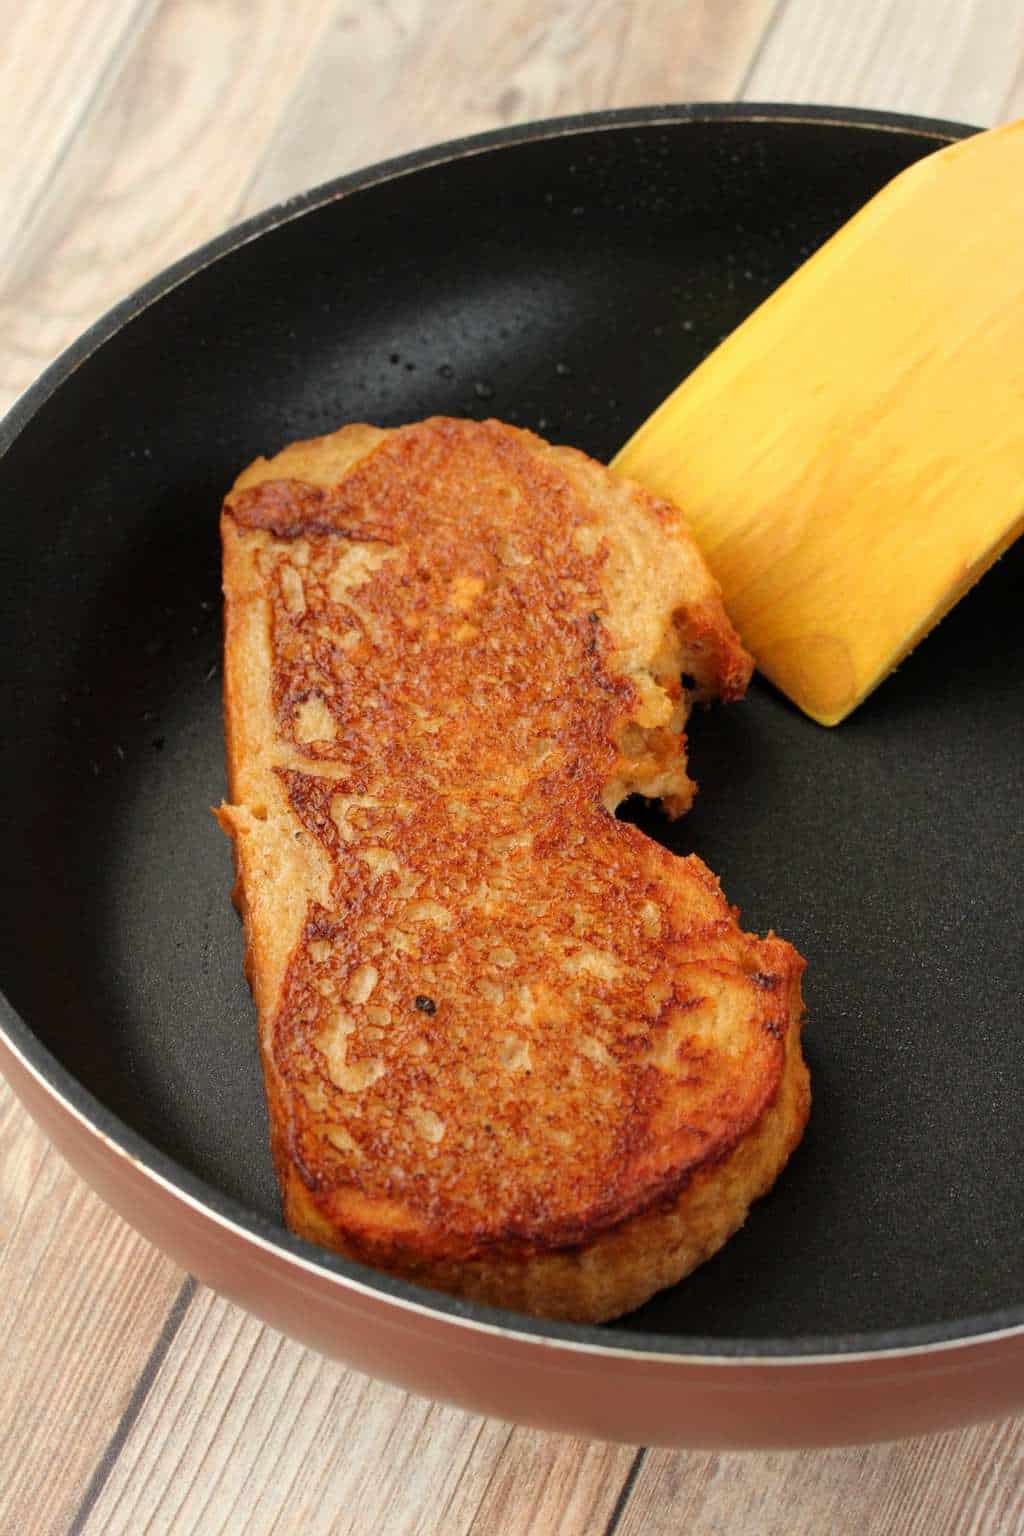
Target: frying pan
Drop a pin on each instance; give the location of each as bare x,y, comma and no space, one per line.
563,276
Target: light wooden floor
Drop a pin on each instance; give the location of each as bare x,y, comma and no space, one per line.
132,1400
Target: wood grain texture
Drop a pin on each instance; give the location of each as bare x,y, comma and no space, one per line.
941,1485
939,58
393,76
246,1431
54,58
547,1483
142,127
161,163
83,1302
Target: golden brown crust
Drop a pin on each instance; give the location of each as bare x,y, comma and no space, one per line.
511,1046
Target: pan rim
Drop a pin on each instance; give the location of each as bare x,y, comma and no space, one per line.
226,1212
230,1214
283,212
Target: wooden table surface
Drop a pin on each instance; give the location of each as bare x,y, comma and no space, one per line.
132,1399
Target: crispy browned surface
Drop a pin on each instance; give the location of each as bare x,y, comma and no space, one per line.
512,1047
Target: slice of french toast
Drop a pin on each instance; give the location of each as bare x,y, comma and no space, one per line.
512,1047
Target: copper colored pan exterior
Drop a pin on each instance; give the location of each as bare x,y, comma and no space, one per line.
641,1398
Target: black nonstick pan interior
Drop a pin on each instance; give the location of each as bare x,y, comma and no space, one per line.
565,281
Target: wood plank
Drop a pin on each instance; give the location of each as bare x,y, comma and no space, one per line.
940,58
393,75
82,1303
941,1485
54,59
551,1483
243,1425
160,165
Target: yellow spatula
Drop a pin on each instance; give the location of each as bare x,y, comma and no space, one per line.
851,459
